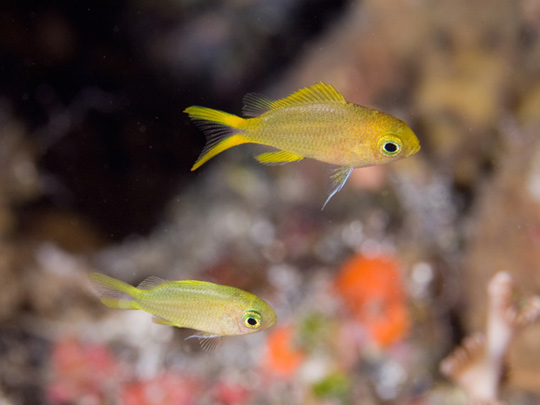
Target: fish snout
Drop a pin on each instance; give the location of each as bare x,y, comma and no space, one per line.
269,320
415,149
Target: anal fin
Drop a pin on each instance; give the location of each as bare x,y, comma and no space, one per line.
278,157
162,321
120,303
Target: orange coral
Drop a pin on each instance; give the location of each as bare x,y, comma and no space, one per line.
372,292
282,358
230,393
167,388
81,371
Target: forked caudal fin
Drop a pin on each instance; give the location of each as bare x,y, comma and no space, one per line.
223,131
114,293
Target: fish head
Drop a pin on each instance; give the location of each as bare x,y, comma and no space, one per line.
257,317
396,142
389,139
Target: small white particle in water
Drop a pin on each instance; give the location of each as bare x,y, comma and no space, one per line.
422,273
313,370
533,181
391,376
25,172
283,277
262,232
353,234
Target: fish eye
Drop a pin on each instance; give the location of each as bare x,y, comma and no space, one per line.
252,319
389,147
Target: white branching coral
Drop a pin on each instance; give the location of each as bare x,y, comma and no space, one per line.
478,364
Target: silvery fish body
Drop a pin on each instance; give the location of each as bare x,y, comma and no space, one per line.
213,309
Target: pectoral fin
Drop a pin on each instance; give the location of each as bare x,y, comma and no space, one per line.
278,157
339,178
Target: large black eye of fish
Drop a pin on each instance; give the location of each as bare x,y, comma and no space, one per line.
252,319
390,148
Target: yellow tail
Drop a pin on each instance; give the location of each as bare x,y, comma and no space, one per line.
223,131
114,293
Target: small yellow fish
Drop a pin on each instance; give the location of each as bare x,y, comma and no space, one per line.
315,122
214,310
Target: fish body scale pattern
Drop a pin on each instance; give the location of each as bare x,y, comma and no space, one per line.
326,132
190,306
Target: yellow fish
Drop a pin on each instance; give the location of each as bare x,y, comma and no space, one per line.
315,122
212,309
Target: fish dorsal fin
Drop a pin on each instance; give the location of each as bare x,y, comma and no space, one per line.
255,104
150,282
318,93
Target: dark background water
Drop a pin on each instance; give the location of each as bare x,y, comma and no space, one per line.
95,158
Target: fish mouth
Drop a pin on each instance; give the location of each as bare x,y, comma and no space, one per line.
416,149
272,320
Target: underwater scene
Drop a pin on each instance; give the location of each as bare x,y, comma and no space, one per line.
282,202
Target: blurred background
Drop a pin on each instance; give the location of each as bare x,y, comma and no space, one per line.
370,293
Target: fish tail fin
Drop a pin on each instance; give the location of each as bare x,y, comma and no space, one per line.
223,131
114,293
196,112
